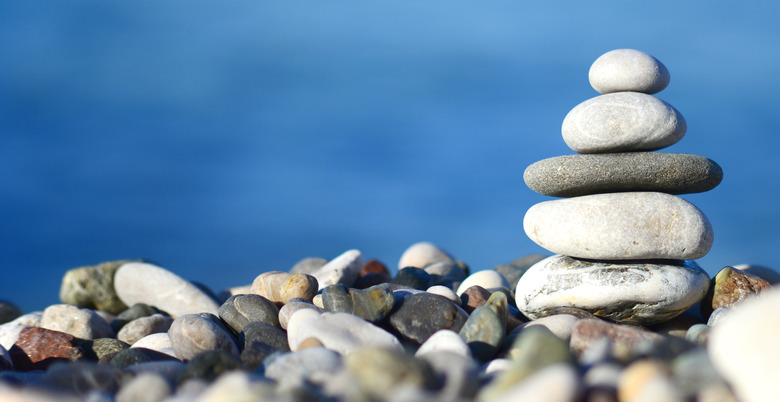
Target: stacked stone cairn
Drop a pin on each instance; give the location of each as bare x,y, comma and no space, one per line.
623,240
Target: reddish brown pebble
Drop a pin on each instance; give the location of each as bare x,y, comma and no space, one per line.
37,348
731,286
374,267
625,339
474,297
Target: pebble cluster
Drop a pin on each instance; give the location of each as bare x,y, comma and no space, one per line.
623,240
347,329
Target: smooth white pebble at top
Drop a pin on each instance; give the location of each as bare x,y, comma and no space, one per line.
628,70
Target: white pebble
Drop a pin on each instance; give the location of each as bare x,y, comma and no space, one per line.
628,70
487,279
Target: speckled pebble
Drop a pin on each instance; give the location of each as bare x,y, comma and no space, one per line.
372,304
281,287
93,287
483,332
80,322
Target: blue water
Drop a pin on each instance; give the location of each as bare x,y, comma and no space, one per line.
226,141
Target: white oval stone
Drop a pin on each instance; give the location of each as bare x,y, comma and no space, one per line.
487,279
622,122
743,347
341,332
444,340
638,292
445,292
422,254
628,70
138,282
621,226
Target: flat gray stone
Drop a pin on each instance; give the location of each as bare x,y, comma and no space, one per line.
138,282
640,292
620,122
575,175
628,70
621,226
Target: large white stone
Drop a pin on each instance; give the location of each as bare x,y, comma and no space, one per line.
621,122
621,226
743,347
640,293
340,332
628,70
138,282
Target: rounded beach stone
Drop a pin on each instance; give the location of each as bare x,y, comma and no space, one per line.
291,307
380,372
240,310
620,122
93,287
263,332
621,226
413,277
731,286
623,340
308,265
374,267
280,287
138,282
575,175
159,342
192,334
483,332
340,332
342,269
646,380
559,324
372,304
557,382
535,349
311,365
420,315
145,387
445,292
422,254
138,310
82,323
444,340
8,311
638,292
144,326
743,347
474,297
628,70
488,279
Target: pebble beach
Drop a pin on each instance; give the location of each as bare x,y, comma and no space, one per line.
618,310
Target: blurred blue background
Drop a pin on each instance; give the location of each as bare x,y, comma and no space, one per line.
226,141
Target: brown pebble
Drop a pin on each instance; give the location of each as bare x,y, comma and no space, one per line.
37,348
625,339
474,297
374,267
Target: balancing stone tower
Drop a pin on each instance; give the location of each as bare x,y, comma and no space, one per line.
623,239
